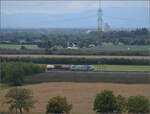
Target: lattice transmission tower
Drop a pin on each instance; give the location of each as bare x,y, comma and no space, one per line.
100,19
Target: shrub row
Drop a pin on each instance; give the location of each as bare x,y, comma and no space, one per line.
73,52
110,61
107,53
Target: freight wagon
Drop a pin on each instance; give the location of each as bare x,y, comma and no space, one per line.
69,68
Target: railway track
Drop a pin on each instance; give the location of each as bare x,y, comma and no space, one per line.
106,72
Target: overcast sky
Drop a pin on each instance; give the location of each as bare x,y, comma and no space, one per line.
78,14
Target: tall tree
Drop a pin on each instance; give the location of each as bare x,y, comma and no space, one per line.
20,99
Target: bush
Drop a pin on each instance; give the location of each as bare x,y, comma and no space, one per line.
23,48
58,105
138,104
105,102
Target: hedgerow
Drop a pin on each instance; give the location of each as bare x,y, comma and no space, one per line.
73,60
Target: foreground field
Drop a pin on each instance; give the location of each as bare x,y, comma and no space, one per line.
80,95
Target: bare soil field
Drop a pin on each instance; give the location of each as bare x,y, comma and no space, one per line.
80,95
76,56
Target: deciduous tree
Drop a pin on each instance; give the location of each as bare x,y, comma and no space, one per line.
20,99
58,105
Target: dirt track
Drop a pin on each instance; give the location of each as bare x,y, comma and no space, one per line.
80,95
76,56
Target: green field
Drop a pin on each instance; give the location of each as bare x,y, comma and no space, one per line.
97,48
11,46
3,86
110,48
122,67
118,48
113,48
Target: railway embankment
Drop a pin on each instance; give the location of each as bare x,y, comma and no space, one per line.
129,77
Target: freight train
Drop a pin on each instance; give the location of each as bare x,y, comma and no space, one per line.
69,68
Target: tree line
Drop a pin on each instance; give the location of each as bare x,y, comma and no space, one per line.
62,51
82,61
13,72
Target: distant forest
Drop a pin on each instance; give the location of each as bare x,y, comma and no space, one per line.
47,38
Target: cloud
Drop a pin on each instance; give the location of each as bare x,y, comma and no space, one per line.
61,7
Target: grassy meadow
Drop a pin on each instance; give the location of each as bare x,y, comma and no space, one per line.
122,67
12,46
113,48
120,48
3,86
97,48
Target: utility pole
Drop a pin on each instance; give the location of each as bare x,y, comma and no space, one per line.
0,72
16,100
100,20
